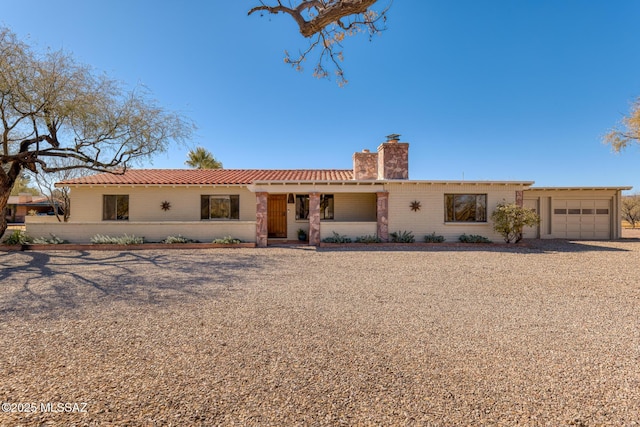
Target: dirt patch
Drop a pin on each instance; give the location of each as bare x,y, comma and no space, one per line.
631,233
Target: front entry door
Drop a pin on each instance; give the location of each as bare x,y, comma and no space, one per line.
277,215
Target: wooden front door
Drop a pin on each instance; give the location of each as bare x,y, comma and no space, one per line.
277,215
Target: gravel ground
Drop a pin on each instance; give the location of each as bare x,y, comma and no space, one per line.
543,335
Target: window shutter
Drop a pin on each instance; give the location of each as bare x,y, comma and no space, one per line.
235,207
204,207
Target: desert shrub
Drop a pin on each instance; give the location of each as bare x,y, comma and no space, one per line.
368,239
17,237
402,237
178,239
227,240
337,238
432,238
509,221
473,238
630,209
51,240
117,240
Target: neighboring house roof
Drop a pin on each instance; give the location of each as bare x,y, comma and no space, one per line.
35,201
209,176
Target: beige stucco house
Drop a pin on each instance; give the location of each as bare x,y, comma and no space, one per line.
376,197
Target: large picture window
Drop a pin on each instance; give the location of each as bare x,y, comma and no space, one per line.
326,206
465,207
220,207
115,207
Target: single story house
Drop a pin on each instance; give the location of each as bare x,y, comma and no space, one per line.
376,197
18,207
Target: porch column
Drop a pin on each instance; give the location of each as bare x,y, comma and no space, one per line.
314,219
261,219
382,215
520,198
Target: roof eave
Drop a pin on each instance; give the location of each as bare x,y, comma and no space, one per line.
584,188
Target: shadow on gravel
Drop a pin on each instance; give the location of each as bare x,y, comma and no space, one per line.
532,246
569,246
57,282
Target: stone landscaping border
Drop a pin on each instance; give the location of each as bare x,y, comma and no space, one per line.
424,245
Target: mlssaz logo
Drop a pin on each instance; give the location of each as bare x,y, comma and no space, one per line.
63,407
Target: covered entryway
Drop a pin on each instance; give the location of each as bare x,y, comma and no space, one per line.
277,216
581,219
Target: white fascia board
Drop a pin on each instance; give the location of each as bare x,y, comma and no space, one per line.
446,182
580,188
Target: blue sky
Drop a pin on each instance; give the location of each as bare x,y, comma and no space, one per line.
495,90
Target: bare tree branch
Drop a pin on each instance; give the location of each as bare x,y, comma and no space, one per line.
627,132
53,109
326,23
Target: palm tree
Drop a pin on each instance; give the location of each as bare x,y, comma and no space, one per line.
201,158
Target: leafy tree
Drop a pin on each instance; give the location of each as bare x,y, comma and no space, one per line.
23,185
326,23
629,131
53,108
201,158
509,221
631,209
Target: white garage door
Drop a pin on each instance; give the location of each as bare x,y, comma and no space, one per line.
581,219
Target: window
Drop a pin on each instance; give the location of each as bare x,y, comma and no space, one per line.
115,207
326,206
302,206
220,207
465,207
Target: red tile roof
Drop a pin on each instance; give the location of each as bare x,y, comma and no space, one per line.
210,176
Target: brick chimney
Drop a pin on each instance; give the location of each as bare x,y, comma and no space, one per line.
393,159
365,165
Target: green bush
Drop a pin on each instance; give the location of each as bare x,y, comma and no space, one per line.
402,237
227,240
368,239
509,221
51,240
473,238
117,240
178,239
432,238
17,237
337,238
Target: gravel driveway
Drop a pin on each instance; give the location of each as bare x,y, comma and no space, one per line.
545,335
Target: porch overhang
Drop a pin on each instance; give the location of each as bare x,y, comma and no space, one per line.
316,186
461,183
